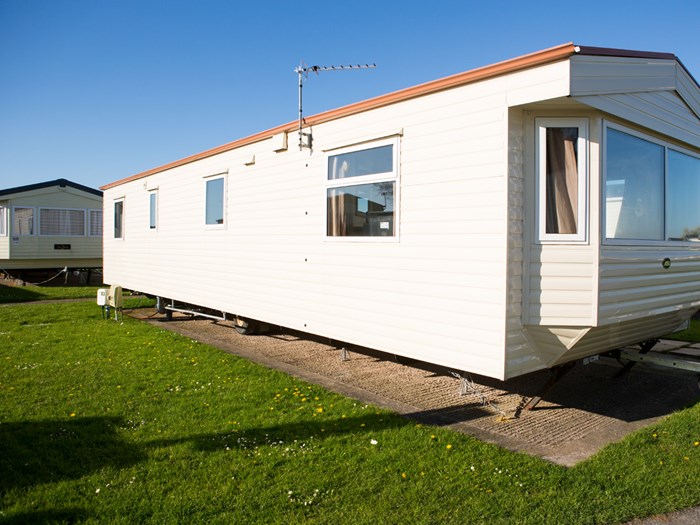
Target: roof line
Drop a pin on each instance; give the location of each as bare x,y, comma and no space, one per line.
49,184
515,64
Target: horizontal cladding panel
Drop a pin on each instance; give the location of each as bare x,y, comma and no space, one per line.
634,283
598,74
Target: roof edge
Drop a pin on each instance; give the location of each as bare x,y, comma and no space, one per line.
482,73
49,184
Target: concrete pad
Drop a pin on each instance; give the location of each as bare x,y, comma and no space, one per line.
585,411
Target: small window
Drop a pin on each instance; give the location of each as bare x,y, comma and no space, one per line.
215,201
152,209
361,192
3,221
95,223
119,219
562,179
683,208
23,221
61,222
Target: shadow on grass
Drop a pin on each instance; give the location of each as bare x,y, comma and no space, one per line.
68,515
299,432
18,294
34,452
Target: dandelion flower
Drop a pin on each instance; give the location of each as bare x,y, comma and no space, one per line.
696,443
72,414
448,447
403,475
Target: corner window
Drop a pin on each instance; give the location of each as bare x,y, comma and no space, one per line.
119,219
651,190
152,209
361,192
61,222
23,221
95,223
215,201
562,179
3,221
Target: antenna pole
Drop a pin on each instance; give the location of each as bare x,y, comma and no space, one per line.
302,70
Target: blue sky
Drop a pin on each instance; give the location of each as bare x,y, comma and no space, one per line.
97,90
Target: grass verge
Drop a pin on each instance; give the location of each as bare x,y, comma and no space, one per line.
18,294
107,422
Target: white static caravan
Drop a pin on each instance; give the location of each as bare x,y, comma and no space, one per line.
50,225
500,221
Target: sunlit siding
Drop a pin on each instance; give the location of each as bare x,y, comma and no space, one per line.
634,283
437,292
612,85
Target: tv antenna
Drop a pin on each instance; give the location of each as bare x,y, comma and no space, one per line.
302,70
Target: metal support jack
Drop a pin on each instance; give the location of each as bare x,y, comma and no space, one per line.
645,348
344,354
557,374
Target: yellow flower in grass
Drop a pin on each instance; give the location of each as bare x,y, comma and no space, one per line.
448,447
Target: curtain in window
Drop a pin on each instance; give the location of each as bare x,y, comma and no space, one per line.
23,223
336,213
562,180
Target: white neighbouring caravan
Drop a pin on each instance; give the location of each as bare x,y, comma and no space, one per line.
500,221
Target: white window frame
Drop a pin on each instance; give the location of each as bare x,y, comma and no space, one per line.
41,209
34,222
609,241
153,203
210,178
121,200
393,176
100,212
3,221
582,212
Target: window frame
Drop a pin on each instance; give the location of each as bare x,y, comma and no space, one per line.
667,145
4,230
211,178
85,218
153,199
582,211
122,201
99,212
359,180
34,221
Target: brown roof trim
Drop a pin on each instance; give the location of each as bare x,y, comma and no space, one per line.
515,64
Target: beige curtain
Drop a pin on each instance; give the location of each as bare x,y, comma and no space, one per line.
336,213
562,180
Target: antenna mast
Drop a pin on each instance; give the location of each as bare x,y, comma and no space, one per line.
302,70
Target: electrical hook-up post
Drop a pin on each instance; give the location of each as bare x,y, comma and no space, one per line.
302,70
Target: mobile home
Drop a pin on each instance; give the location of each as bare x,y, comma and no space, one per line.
499,221
50,225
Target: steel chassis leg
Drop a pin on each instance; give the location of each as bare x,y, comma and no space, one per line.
645,348
557,374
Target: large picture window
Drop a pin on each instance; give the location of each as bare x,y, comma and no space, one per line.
562,179
361,192
651,190
215,201
61,222
22,221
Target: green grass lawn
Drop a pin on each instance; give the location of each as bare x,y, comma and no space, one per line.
16,294
122,422
692,333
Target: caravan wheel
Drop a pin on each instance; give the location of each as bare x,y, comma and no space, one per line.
245,326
